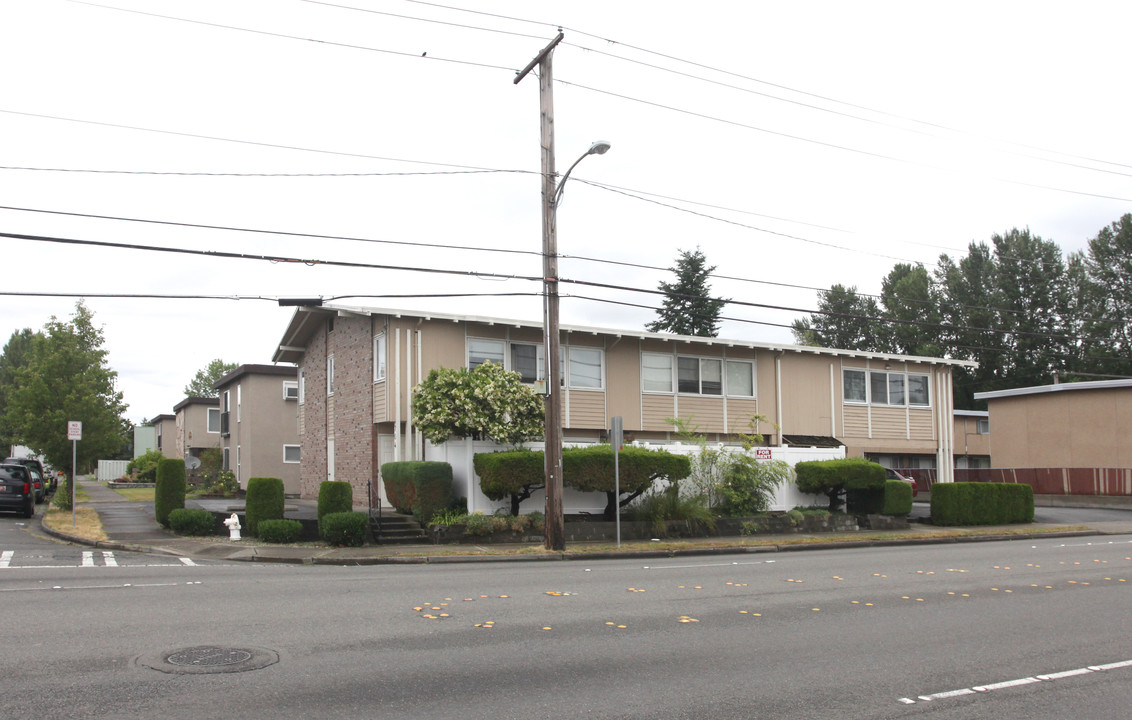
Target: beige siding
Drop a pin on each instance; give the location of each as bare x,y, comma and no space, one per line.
655,411
856,421
806,394
623,380
739,414
587,409
920,424
706,414
380,406
889,423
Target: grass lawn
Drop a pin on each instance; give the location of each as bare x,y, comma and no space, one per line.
136,494
87,523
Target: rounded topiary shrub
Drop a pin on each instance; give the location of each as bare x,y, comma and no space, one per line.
194,521
264,501
169,492
279,531
897,498
344,529
335,496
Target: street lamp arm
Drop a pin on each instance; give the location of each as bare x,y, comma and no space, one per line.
598,148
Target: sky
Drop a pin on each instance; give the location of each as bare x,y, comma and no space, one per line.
797,145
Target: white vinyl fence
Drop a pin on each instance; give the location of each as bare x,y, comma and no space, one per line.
111,469
458,453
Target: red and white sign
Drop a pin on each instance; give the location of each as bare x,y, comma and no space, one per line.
762,454
74,430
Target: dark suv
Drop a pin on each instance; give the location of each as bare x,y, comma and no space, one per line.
33,464
16,493
22,472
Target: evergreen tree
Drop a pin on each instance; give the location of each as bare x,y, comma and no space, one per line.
689,308
846,321
206,377
66,378
1108,290
909,299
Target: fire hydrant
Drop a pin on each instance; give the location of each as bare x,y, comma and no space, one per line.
233,525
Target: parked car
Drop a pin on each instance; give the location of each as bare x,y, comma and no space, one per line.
21,472
34,464
41,485
895,475
16,494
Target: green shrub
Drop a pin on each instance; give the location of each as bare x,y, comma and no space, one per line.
897,498
335,496
511,475
748,485
838,479
346,529
279,531
418,487
264,501
225,484
62,497
982,503
169,493
192,521
145,465
590,469
661,508
447,517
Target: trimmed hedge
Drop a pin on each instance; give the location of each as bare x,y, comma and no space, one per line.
982,503
335,496
169,492
194,521
897,498
344,529
418,487
279,531
510,475
264,501
849,477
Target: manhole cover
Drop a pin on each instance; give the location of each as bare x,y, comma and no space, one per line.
209,659
208,656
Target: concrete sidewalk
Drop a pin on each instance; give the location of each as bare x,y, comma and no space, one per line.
131,526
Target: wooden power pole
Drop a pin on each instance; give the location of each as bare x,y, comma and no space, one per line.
555,522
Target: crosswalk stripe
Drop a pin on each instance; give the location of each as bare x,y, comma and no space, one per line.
188,561
108,559
88,558
6,558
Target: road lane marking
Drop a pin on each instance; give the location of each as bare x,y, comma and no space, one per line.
108,559
88,558
187,561
6,558
976,689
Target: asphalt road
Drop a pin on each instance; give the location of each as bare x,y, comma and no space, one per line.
851,633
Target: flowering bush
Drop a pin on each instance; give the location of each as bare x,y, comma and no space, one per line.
486,402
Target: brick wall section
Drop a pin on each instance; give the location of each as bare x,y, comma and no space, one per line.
312,467
352,345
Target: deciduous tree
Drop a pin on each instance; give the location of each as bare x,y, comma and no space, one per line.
202,382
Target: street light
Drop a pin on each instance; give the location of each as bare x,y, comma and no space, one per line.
552,420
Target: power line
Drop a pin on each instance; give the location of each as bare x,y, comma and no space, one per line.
186,173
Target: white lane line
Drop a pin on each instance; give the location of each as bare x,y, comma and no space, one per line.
187,561
88,558
108,559
1077,672
6,558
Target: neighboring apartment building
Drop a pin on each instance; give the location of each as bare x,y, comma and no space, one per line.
165,436
357,367
145,439
259,434
972,439
1067,425
197,426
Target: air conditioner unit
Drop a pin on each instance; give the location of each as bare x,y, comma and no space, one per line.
291,391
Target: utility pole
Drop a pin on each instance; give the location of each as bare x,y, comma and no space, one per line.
555,522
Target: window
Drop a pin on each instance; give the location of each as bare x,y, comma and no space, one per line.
656,373
700,376
895,388
379,357
227,401
527,361
239,402
918,390
330,375
291,453
481,351
585,367
302,385
213,420
982,426
853,382
740,378
290,390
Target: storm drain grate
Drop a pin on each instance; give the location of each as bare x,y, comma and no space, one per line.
209,656
209,659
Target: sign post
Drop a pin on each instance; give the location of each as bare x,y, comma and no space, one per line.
617,439
74,434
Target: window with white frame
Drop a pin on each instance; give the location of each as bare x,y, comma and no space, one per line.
330,375
302,385
584,369
656,373
740,378
290,390
579,367
699,376
854,388
379,357
292,453
886,388
213,420
982,426
481,351
527,360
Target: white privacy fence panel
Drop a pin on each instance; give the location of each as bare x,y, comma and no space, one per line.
459,452
111,469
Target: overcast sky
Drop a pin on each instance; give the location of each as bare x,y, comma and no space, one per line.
797,144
